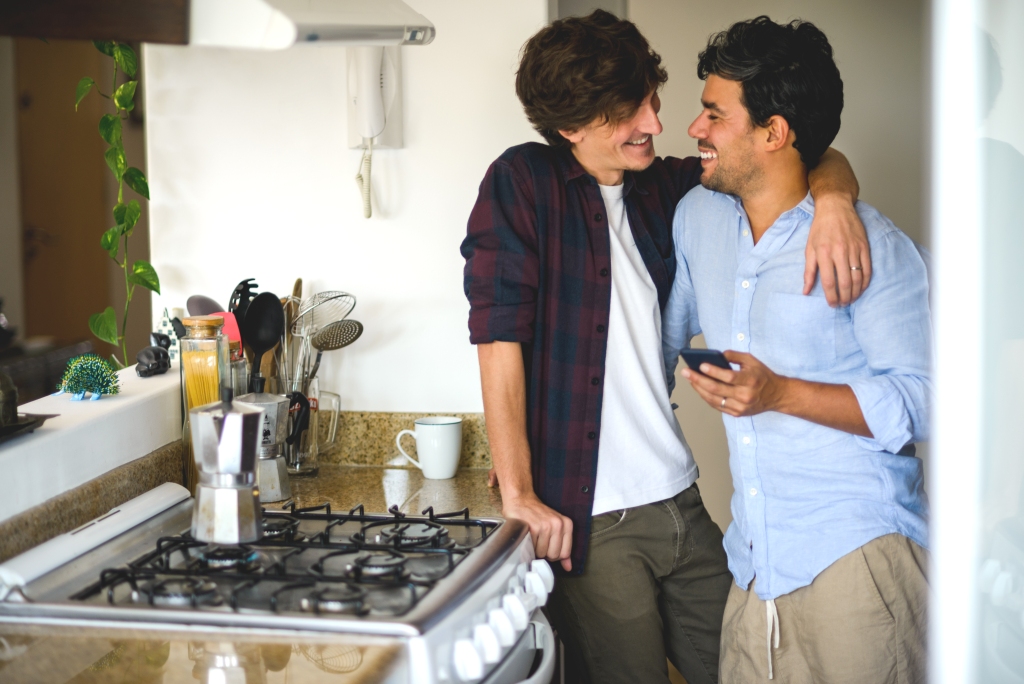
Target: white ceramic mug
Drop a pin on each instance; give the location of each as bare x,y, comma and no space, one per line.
438,444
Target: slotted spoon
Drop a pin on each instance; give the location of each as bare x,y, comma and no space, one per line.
333,336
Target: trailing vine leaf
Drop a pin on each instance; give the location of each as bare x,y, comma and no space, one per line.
126,59
130,216
144,274
83,88
115,161
111,239
136,180
110,129
105,46
124,94
104,325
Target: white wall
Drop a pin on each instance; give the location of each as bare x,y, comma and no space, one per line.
250,176
10,214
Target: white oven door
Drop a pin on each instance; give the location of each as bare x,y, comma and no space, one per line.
515,668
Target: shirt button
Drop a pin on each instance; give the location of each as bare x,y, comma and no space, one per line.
745,284
741,337
746,440
597,217
600,328
746,232
584,489
594,381
753,492
591,435
604,272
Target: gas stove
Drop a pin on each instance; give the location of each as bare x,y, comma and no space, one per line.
309,561
461,595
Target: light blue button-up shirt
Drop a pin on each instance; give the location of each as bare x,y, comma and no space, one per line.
804,494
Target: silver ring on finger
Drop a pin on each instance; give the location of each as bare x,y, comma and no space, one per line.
723,402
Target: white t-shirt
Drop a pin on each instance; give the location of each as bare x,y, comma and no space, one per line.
642,456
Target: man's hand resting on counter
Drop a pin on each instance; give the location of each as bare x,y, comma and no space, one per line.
551,531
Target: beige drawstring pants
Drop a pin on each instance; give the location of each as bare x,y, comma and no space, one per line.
861,621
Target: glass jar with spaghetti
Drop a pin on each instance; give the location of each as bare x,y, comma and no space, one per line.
206,368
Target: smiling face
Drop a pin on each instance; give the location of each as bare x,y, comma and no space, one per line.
727,140
606,150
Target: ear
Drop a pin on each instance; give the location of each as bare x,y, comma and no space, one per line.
575,137
779,134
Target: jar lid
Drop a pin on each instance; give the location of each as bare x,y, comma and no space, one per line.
203,321
234,345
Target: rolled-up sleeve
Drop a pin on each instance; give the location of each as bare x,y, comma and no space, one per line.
501,274
892,324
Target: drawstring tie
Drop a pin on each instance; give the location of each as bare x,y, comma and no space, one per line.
773,625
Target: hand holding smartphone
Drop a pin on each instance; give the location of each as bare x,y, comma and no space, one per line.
695,357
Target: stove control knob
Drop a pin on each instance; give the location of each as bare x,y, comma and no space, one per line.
535,585
469,666
486,642
543,568
501,623
1002,587
529,600
513,605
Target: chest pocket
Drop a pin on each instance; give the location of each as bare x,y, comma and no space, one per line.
800,332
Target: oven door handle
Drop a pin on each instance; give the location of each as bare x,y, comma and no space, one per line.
544,639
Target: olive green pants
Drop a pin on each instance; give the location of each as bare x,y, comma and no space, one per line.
654,585
862,620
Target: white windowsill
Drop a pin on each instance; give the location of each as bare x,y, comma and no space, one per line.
88,438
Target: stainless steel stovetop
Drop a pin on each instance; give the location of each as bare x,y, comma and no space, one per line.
462,594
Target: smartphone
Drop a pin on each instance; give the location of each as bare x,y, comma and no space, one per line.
695,357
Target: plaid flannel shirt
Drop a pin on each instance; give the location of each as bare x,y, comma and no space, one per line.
538,272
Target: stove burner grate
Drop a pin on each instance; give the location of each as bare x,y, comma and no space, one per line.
341,563
405,535
378,564
240,558
339,599
178,592
282,529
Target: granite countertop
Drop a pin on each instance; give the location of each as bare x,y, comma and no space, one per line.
378,489
44,654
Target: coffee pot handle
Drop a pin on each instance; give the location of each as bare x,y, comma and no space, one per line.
301,420
398,442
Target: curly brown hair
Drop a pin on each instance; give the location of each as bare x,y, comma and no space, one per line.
583,68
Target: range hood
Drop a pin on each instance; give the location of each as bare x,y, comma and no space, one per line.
278,24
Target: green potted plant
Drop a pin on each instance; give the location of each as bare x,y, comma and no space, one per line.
114,241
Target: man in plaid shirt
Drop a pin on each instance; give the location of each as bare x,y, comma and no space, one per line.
569,264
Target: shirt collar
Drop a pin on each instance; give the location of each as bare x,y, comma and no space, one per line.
806,206
572,169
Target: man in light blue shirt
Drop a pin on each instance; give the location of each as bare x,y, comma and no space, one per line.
830,515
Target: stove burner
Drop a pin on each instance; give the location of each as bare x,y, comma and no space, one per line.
278,529
414,534
240,558
178,593
342,598
376,565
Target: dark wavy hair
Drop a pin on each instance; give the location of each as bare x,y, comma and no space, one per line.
584,68
786,70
